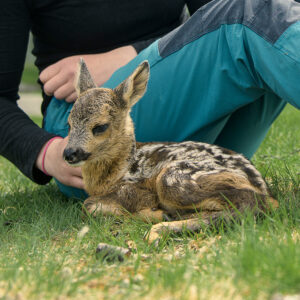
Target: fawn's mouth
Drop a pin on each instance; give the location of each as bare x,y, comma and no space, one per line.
76,164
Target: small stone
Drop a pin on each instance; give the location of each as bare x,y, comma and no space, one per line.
66,272
285,297
109,253
84,230
138,277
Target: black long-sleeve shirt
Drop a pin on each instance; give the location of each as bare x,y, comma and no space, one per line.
60,29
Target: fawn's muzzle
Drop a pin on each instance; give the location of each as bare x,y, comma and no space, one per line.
74,156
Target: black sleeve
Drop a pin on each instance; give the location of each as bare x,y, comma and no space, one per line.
193,5
20,139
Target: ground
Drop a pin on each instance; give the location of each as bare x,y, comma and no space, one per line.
48,251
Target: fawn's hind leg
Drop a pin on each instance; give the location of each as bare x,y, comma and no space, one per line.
195,224
150,215
174,226
178,191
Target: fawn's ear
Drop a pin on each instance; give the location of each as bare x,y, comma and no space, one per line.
134,87
84,79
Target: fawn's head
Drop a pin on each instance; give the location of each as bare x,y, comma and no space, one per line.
100,124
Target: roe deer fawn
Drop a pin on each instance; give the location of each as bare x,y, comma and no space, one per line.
186,184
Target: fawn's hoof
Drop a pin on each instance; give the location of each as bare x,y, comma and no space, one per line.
153,238
273,203
89,208
154,235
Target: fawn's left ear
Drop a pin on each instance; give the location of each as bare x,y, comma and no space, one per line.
84,79
134,87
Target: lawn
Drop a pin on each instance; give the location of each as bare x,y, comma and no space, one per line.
48,250
30,74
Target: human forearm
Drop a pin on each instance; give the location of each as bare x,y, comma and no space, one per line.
58,79
103,65
21,140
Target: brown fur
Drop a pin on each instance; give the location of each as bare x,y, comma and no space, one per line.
155,181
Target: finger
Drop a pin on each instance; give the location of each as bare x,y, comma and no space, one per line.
72,97
77,182
76,172
64,91
49,72
54,83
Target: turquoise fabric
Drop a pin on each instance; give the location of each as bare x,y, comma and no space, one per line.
225,88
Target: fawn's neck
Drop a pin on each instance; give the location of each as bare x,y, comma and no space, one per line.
101,176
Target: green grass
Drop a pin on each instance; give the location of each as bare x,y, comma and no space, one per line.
30,74
44,257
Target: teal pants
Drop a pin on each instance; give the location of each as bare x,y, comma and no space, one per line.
223,77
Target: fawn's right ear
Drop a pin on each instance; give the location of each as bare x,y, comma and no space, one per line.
134,87
84,79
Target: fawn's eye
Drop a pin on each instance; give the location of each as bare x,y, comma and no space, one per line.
99,129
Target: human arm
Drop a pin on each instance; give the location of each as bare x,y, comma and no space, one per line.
22,141
20,138
58,79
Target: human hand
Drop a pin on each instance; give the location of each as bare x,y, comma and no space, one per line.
58,79
55,165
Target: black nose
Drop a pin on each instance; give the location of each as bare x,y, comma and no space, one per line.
73,156
70,154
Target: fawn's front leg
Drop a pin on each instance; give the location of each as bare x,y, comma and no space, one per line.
95,205
128,199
